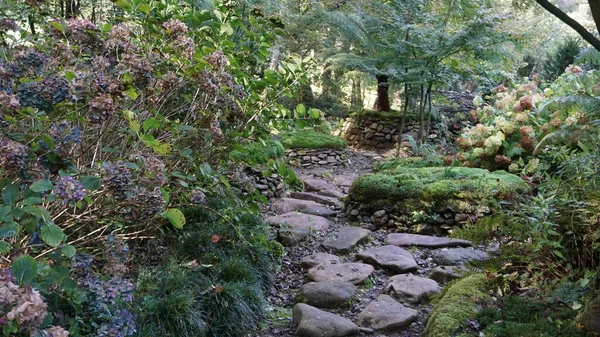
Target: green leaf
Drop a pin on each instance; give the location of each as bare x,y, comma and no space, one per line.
151,124
9,230
176,217
4,247
144,8
58,26
52,235
91,183
226,29
315,113
10,195
69,75
4,210
68,251
24,269
48,141
123,4
32,201
41,186
132,93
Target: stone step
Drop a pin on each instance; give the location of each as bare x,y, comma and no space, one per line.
286,205
427,241
413,288
299,220
459,256
354,273
392,258
313,322
326,294
346,239
319,258
385,313
321,199
319,210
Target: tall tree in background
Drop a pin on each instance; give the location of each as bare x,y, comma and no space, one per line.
581,30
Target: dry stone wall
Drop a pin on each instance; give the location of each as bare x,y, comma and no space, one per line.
308,158
371,132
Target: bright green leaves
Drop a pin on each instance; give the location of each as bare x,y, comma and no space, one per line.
24,269
10,195
52,235
41,186
176,217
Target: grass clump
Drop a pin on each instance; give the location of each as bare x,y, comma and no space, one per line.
259,152
459,303
311,140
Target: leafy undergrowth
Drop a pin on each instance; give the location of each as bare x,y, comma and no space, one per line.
311,140
213,280
259,152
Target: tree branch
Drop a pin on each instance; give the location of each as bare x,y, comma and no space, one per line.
562,16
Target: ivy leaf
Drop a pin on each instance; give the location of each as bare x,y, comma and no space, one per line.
24,269
10,195
41,186
176,217
91,183
52,235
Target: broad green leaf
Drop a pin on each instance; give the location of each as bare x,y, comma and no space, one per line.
9,229
52,235
123,4
151,124
69,75
32,201
68,251
10,195
24,269
4,247
144,8
176,217
4,210
42,186
132,93
134,125
91,183
34,211
58,26
226,29
315,113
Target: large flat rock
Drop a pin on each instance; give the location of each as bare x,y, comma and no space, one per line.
312,322
286,205
299,220
320,211
389,257
326,294
458,256
316,185
443,274
345,180
333,193
354,273
321,199
346,239
404,240
386,313
411,287
316,259
291,236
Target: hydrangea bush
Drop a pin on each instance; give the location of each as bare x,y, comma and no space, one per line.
112,129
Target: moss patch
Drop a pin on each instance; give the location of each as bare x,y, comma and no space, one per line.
311,140
392,164
434,184
259,152
410,117
456,305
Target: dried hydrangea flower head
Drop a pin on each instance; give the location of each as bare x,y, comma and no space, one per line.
25,305
7,24
175,27
69,190
117,178
12,155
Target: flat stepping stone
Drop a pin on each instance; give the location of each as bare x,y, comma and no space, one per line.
345,180
312,322
333,193
326,294
319,210
346,239
414,288
321,199
291,236
316,185
404,240
286,205
385,313
319,258
354,272
458,256
389,257
299,220
443,274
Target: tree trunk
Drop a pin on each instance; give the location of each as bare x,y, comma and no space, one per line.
356,102
421,117
72,9
428,98
382,103
275,54
564,17
31,23
402,120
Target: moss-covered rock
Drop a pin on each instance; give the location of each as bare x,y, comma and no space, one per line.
259,152
311,140
458,304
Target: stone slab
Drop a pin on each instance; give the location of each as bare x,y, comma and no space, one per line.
389,257
292,236
286,205
354,273
427,241
385,313
346,239
299,220
320,199
319,210
326,294
319,258
414,288
458,256
312,322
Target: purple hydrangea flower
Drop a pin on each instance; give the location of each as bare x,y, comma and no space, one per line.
69,190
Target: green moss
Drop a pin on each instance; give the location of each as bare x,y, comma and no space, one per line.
407,162
311,140
259,152
456,306
434,184
410,117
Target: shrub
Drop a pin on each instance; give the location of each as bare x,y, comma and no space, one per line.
259,152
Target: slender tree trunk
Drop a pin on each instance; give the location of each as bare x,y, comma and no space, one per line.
430,108
564,17
31,23
421,116
72,9
275,53
62,8
382,103
402,120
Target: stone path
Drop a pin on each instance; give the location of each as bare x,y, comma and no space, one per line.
339,279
